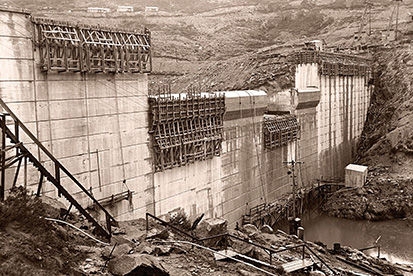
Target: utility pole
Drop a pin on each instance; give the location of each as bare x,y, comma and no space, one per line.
292,173
369,5
397,19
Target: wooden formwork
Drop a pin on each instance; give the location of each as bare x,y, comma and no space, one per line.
185,128
334,64
279,130
84,48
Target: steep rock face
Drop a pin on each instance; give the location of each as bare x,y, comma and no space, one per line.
387,138
386,145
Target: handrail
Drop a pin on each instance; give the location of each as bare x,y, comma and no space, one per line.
371,247
56,162
169,225
321,260
221,254
271,251
51,178
54,179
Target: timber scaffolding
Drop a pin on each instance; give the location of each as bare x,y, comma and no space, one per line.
66,47
279,130
277,213
185,127
334,64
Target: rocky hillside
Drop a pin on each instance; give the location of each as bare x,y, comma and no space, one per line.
191,40
388,134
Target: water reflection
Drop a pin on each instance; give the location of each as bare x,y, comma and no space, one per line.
396,235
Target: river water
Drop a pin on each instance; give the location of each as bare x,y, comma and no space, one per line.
396,235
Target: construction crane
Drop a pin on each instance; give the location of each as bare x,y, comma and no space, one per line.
366,13
397,17
395,10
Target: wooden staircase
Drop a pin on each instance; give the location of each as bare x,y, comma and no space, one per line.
54,176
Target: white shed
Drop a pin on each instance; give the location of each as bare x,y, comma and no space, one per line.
355,175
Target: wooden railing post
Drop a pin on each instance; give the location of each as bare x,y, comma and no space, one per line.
39,188
303,251
3,156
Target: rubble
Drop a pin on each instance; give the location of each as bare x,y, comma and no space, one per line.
382,198
212,227
136,264
267,229
157,234
166,255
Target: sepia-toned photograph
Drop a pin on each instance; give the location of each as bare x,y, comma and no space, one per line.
206,137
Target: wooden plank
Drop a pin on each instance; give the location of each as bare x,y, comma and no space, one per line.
297,265
227,253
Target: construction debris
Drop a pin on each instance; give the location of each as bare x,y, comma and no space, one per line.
132,254
136,264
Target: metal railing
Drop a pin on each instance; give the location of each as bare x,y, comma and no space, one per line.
270,251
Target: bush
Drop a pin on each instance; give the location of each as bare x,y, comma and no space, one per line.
24,209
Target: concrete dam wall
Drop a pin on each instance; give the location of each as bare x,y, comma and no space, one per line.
214,153
94,123
332,97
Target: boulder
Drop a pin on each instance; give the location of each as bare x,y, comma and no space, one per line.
136,264
178,250
119,250
212,227
250,229
161,250
157,234
145,249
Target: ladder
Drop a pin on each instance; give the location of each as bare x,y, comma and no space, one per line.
54,176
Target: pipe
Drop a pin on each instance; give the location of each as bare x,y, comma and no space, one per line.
216,252
78,229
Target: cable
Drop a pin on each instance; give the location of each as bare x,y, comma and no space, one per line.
256,149
221,254
78,229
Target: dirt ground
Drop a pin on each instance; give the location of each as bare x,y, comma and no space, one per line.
32,245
